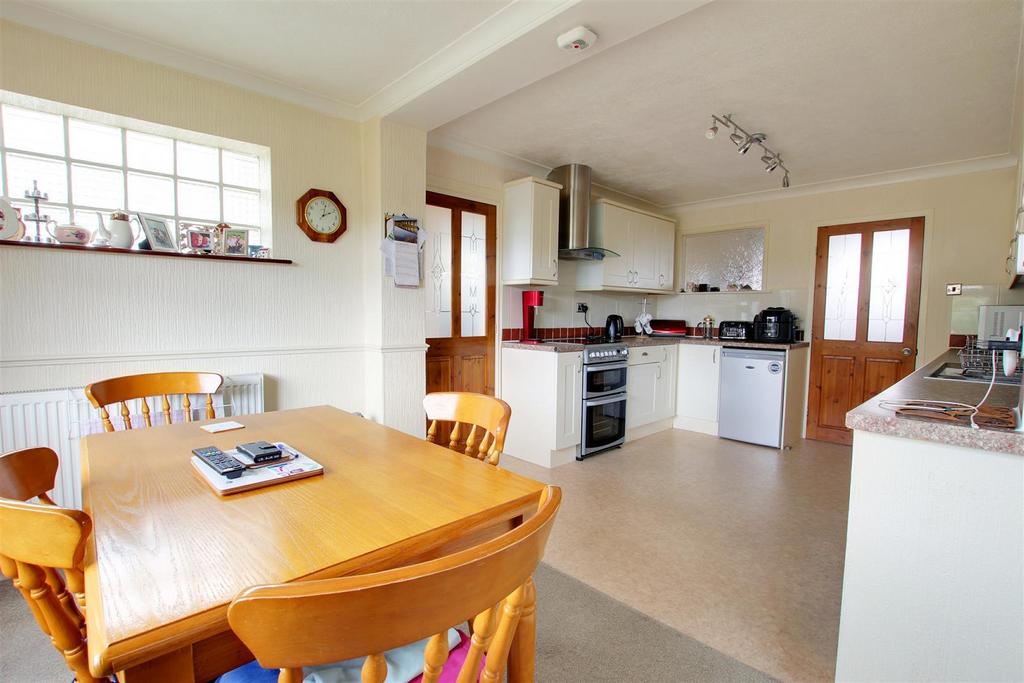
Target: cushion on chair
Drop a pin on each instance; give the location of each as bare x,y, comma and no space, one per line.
405,664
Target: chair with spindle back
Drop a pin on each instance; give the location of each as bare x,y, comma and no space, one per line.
163,384
313,623
36,541
486,416
32,473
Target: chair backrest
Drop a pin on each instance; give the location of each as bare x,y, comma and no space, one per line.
310,623
163,384
27,474
486,416
36,540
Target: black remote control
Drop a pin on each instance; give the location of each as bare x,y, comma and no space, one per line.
220,462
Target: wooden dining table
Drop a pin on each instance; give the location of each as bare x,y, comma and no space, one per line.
168,555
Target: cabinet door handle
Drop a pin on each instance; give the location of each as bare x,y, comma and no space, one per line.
658,376
714,357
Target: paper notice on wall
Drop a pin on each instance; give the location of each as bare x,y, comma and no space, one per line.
407,264
387,247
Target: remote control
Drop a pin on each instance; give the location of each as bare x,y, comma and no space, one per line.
220,462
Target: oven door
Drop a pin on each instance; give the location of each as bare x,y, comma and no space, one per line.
604,423
604,380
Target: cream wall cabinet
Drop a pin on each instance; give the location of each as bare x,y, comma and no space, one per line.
645,243
530,232
697,388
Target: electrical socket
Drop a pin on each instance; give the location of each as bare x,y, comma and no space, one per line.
955,289
582,308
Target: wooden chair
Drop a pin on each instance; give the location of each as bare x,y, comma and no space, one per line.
37,540
28,474
487,417
124,389
311,623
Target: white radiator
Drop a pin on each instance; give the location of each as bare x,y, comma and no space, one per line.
58,418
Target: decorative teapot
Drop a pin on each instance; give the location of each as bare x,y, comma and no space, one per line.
68,233
121,234
101,238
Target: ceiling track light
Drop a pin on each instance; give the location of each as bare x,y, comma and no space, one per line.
744,141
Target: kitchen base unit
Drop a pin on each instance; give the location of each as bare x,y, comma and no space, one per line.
544,389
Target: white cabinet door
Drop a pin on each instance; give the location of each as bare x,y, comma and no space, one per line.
666,253
545,232
641,394
645,251
697,393
616,234
569,401
529,235
665,395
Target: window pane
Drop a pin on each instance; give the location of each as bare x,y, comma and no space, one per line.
150,193
241,169
438,264
93,142
52,176
241,206
474,275
34,131
101,187
57,213
842,287
890,260
198,200
197,161
150,152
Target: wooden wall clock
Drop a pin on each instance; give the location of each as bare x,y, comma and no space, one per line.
320,215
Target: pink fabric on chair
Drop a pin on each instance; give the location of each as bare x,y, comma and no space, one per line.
456,658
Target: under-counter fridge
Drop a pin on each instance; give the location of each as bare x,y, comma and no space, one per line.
750,396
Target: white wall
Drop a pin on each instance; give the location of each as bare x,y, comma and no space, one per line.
968,222
67,318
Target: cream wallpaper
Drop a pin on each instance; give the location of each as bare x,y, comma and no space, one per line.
72,318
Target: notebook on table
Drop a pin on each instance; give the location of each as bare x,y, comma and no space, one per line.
259,475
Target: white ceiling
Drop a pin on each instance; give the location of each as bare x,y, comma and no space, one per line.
842,89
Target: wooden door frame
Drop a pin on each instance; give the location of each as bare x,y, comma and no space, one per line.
490,213
912,313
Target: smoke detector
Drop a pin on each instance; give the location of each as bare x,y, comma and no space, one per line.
577,39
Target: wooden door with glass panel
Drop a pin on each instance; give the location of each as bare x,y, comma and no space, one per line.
459,264
867,295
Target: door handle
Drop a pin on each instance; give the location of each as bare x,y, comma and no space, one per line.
907,351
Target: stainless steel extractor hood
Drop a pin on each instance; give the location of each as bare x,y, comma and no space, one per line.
574,215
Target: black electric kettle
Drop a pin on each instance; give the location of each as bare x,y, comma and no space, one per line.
613,327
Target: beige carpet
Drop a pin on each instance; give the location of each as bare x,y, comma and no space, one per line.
583,636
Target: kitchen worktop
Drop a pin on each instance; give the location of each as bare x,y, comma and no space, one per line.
553,346
870,417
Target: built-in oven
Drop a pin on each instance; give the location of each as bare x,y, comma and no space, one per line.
604,424
603,419
604,379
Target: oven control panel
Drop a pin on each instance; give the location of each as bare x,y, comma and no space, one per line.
606,355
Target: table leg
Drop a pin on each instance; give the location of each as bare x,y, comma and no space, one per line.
173,667
524,645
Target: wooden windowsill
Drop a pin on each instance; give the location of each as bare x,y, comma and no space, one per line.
139,252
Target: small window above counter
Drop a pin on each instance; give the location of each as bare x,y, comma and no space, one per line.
724,261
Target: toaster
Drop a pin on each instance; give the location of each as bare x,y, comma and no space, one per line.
668,328
736,329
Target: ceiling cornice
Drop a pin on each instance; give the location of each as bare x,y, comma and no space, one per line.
951,168
47,20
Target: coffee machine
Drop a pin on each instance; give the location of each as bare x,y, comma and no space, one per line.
532,300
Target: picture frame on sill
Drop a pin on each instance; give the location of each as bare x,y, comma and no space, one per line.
160,232
235,242
196,239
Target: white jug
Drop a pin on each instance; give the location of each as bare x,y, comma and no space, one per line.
121,234
101,238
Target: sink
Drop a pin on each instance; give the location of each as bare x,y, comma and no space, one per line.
953,371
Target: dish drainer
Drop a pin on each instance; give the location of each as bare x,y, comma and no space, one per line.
977,361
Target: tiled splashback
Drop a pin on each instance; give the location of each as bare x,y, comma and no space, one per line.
559,309
733,305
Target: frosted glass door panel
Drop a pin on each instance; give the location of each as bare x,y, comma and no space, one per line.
474,275
437,258
842,287
890,261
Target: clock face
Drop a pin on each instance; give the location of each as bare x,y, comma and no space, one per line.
323,215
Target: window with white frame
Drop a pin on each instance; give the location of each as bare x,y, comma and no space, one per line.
89,165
